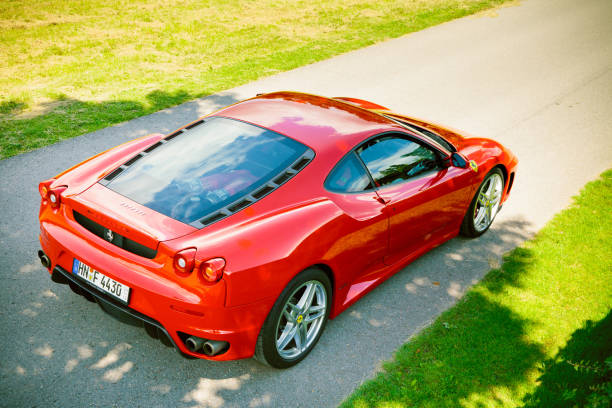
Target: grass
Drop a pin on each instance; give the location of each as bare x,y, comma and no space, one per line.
581,373
510,340
70,67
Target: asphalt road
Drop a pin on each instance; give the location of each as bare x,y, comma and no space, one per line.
536,76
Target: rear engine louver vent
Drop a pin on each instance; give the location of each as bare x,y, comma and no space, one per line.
113,174
283,177
240,205
132,160
194,124
153,147
300,164
258,194
213,218
173,135
232,207
148,150
262,192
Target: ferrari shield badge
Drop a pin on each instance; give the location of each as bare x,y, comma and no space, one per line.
473,166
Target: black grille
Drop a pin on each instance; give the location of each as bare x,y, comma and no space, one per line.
194,124
113,174
118,239
153,147
173,135
213,218
240,205
300,164
283,177
132,160
262,191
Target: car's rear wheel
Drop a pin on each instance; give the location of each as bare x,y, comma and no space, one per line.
296,320
485,205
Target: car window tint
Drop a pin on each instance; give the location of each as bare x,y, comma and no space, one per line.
392,159
206,168
348,176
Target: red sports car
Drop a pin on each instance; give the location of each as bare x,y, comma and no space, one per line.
241,233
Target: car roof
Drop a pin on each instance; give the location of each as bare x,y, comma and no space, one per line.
315,121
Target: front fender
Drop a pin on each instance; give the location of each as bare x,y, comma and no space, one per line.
487,154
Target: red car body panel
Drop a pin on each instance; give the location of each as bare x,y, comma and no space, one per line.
359,239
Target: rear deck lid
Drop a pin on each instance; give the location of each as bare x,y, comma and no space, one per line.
131,225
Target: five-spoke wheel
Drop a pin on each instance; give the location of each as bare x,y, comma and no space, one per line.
301,320
485,205
296,321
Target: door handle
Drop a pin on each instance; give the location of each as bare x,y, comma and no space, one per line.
381,200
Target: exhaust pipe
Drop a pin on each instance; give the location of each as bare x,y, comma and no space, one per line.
194,344
214,347
44,259
208,347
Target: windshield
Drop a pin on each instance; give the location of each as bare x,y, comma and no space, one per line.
206,168
425,132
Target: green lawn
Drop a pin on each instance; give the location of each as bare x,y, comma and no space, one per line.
70,67
534,332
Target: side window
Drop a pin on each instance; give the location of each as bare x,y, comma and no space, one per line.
393,159
348,176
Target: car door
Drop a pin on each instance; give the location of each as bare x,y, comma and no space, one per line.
422,194
363,226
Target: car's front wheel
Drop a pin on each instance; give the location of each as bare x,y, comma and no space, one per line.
484,205
296,320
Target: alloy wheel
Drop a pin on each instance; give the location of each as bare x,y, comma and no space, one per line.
301,320
487,204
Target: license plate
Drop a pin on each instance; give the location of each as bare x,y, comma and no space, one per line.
101,281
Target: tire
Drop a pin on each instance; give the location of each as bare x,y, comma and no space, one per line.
485,205
295,324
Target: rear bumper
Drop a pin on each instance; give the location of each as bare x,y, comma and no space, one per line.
112,307
169,308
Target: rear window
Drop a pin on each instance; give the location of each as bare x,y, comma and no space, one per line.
206,168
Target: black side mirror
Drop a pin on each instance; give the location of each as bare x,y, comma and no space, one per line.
458,161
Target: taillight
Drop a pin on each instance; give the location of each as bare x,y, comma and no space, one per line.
211,271
51,195
184,260
43,188
55,196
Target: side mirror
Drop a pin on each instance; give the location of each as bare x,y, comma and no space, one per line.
458,160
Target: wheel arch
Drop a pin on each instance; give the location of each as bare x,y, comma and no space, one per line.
330,274
507,180
504,172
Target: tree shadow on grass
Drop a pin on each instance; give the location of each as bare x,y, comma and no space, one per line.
474,353
568,378
11,107
64,118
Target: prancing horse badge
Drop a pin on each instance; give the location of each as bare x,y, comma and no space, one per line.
473,166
